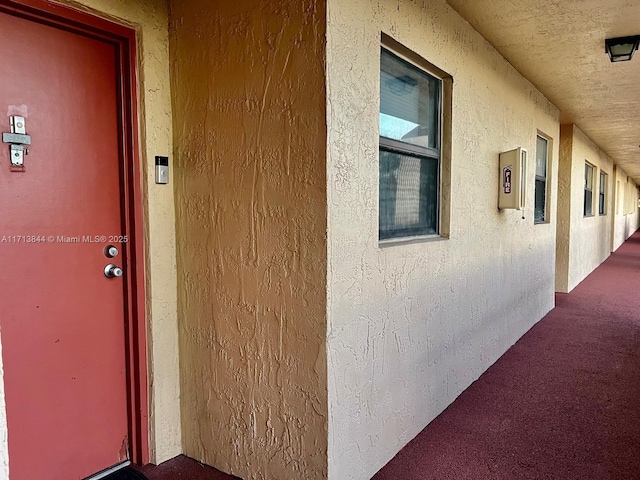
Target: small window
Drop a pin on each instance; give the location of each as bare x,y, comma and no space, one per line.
588,190
410,106
542,151
602,195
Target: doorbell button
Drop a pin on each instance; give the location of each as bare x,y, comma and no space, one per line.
162,170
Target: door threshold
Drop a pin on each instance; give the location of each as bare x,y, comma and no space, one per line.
108,471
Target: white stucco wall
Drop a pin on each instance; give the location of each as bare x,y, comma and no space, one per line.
411,326
150,20
590,237
625,220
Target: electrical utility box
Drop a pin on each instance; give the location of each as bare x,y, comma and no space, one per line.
513,168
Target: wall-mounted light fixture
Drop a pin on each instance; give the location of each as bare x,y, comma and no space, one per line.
621,49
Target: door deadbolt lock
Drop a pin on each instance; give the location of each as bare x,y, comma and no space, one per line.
18,141
110,251
112,271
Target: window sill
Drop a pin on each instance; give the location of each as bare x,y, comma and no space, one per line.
393,242
543,222
589,216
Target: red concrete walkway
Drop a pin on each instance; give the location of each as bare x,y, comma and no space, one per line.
183,468
563,403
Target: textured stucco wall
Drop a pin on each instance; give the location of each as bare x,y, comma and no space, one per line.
150,20
626,218
589,242
563,219
250,136
411,326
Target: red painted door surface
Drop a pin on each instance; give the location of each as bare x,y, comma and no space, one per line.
61,319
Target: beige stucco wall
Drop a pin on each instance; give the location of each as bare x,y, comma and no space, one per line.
250,136
563,218
411,326
626,219
150,20
583,242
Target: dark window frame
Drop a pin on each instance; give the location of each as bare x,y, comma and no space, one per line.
539,179
588,189
417,151
602,193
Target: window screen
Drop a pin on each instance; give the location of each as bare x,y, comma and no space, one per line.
539,213
409,149
588,190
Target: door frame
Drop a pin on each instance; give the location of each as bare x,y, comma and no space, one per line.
131,180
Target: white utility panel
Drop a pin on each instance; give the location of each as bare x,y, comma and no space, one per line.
513,168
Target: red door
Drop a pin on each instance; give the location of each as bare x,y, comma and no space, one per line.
61,318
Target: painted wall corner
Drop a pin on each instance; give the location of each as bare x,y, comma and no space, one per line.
250,135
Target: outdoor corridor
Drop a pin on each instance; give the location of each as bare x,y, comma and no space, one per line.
563,403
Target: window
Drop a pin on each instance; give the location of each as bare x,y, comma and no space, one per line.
602,196
410,112
588,190
542,149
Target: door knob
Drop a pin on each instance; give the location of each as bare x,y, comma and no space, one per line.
112,271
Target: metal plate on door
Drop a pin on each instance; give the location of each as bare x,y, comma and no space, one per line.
19,138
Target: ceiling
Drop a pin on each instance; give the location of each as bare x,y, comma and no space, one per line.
559,46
